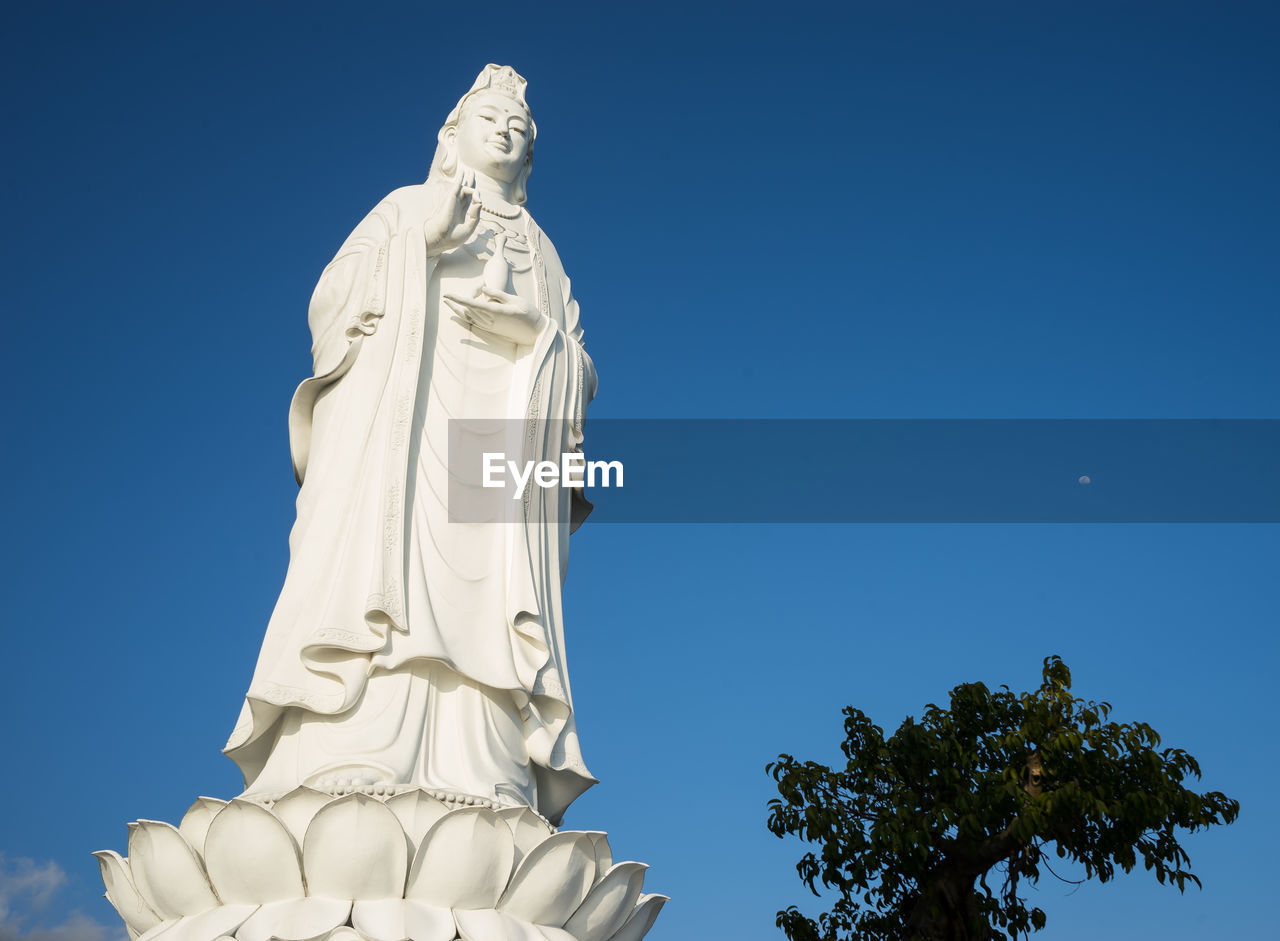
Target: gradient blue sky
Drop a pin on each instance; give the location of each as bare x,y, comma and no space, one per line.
929,210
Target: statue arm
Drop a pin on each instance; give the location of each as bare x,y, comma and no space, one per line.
582,380
349,301
586,382
351,295
573,335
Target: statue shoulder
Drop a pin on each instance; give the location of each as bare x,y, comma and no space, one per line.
412,204
399,211
403,207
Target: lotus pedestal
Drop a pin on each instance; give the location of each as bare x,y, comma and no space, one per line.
376,864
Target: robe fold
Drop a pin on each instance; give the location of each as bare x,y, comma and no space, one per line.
378,579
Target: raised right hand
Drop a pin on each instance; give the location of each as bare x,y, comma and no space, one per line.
455,218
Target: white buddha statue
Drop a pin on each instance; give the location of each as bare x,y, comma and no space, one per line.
406,649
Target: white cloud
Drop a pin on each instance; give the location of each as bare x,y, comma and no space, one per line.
23,881
77,926
27,889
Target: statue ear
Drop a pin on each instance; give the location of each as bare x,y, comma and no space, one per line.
448,149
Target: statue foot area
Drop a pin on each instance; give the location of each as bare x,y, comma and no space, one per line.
253,870
350,780
340,785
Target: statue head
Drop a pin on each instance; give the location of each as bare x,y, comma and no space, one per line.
491,130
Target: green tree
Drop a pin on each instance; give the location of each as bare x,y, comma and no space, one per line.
909,830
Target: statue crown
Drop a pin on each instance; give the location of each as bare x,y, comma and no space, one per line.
502,79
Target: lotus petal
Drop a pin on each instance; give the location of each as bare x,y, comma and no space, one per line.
464,861
608,904
555,934
159,930
250,856
297,808
195,822
553,880
641,919
167,871
398,919
344,933
485,924
123,894
208,924
295,919
416,812
355,849
604,855
527,827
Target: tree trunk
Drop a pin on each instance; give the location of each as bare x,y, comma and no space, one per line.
946,911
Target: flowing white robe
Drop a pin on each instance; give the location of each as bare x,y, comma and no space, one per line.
459,625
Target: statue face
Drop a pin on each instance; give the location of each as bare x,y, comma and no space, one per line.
493,136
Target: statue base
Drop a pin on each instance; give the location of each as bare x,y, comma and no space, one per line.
373,864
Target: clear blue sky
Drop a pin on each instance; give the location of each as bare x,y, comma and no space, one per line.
929,210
